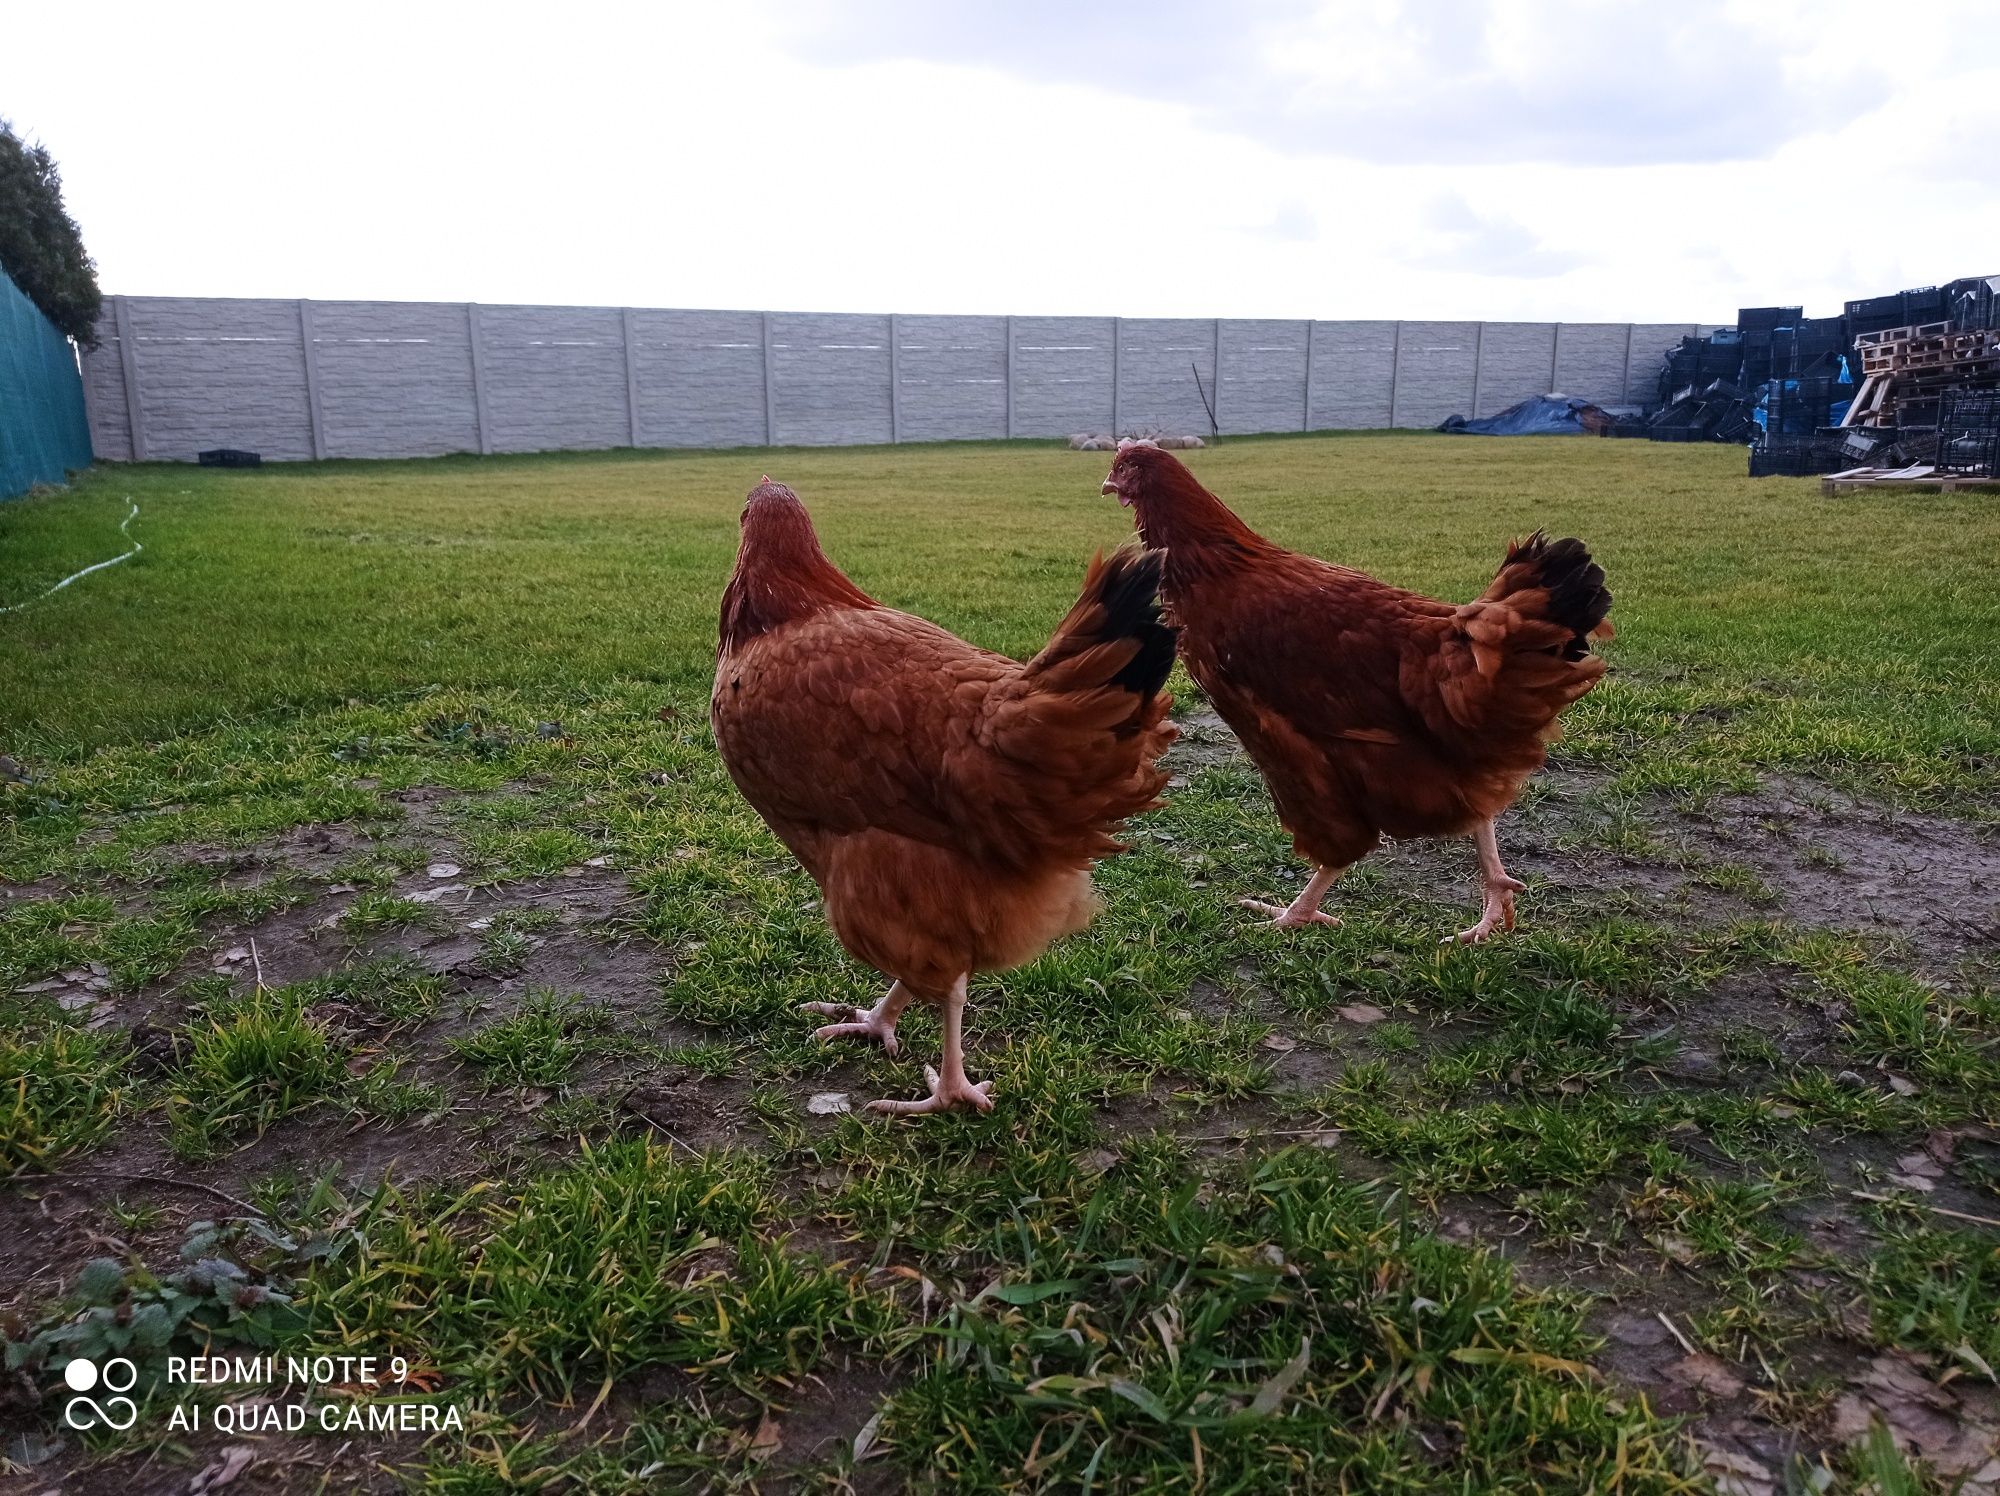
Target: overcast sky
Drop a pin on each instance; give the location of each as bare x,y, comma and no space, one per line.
1535,159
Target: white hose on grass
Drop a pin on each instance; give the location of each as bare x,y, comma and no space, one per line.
123,529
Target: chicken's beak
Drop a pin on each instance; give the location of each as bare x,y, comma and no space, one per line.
1110,486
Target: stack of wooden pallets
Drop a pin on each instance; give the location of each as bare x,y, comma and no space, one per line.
1902,365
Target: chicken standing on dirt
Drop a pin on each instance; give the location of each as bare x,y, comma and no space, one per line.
1371,711
948,801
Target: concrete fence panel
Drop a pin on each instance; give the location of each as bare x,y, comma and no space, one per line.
1064,372
554,377
1590,359
700,378
1434,371
1515,360
830,379
1158,361
219,373
1262,381
1353,375
395,378
951,378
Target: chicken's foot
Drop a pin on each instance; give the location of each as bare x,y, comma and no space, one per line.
878,1022
950,1088
1500,889
1303,910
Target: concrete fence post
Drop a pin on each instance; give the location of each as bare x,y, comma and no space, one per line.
895,378
1010,377
1478,359
479,415
1306,418
1555,358
128,362
1395,374
1625,386
631,377
1117,359
313,414
770,404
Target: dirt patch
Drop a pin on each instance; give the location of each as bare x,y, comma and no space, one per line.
1814,856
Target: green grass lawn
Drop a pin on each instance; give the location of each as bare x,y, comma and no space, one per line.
380,915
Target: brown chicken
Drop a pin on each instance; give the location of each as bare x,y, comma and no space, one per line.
948,801
1371,711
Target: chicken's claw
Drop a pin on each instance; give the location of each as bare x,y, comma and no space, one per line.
1280,916
859,1023
944,1096
1498,913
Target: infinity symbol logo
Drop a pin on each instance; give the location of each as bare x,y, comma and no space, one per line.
83,1375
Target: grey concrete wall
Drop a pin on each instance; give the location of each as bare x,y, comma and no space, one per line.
299,379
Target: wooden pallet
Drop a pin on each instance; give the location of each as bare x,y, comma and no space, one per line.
1918,475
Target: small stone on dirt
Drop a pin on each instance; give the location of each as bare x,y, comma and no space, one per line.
1279,1043
1362,1013
829,1104
1902,1086
442,870
1707,1374
432,895
1637,1329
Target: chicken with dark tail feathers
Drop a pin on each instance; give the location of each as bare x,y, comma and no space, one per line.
1371,711
948,801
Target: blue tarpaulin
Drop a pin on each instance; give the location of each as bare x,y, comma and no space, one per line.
1540,415
43,430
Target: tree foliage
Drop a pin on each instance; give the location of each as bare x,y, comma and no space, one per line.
41,248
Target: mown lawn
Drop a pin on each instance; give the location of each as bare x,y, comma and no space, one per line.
374,894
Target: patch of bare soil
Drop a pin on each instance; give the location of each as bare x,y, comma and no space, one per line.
1824,859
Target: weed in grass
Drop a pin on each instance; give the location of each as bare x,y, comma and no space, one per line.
373,911
250,1061
537,1046
1936,1291
382,1094
390,989
62,1090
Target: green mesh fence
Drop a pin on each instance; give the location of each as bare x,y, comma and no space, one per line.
43,430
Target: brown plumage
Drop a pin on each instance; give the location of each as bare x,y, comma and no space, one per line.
1371,710
947,800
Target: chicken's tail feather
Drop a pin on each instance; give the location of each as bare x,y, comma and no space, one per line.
1577,599
1086,718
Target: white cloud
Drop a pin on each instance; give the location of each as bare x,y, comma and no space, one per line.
1098,161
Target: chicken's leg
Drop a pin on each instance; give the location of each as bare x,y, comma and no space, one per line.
951,1088
1500,890
1303,910
878,1022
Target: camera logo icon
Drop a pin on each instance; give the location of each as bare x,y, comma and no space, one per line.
83,1376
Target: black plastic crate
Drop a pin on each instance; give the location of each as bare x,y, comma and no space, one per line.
1765,318
228,457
